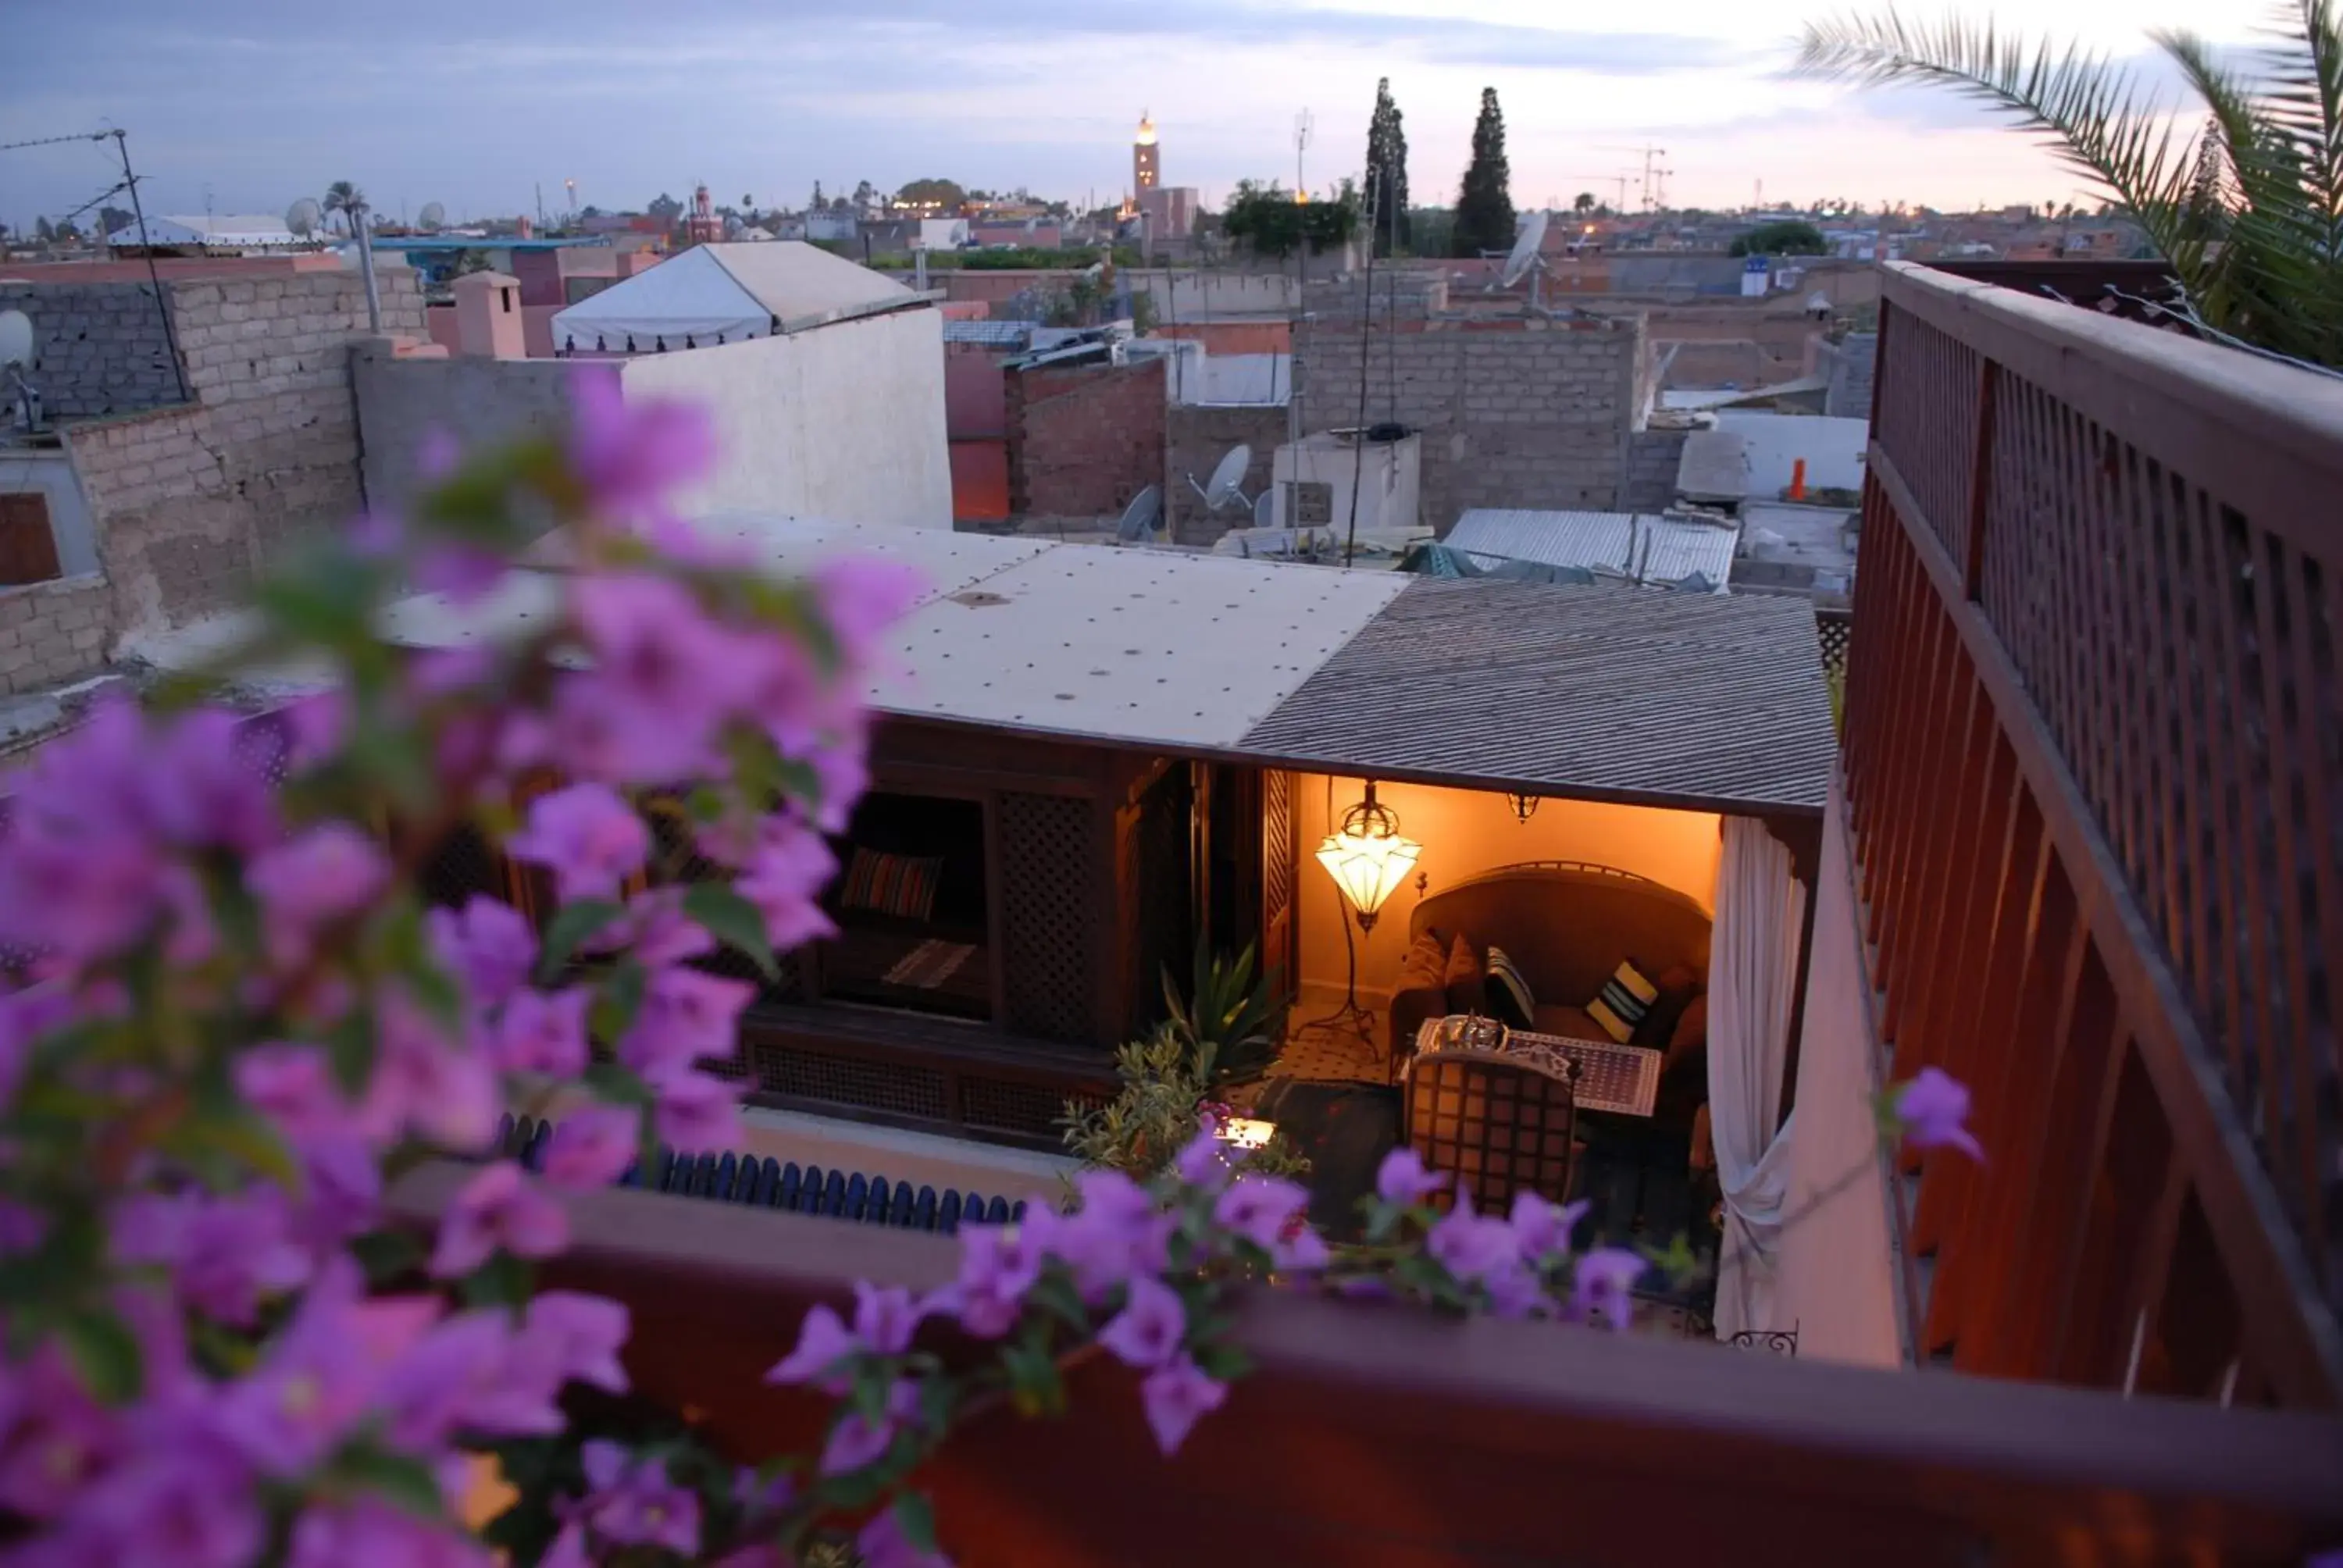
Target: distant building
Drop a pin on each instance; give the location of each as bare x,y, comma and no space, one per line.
1170,211
233,232
703,226
1145,164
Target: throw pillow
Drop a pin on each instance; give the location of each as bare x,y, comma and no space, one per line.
1464,983
1678,985
887,884
1692,1029
1507,993
1425,967
1626,997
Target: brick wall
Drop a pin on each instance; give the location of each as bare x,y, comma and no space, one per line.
1083,439
1196,437
101,347
1514,412
53,631
1653,459
188,503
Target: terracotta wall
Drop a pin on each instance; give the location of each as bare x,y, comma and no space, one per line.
1083,439
1464,833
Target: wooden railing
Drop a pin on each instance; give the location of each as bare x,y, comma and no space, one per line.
2094,762
1376,1436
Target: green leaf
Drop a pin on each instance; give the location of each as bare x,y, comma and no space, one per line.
618,1000
1221,1360
350,1047
571,924
106,1354
386,1255
917,1519
399,1478
618,1085
503,1280
732,921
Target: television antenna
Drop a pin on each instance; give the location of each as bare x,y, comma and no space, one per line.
1303,124
15,359
432,219
1526,260
1227,483
1140,518
301,218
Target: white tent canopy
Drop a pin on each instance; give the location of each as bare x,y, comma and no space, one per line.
236,229
714,294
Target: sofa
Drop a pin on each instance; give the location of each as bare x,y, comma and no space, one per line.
1565,925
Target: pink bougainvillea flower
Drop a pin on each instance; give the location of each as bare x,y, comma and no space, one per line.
293,1086
1931,1108
666,675
627,455
1402,1178
783,877
886,1317
466,574
695,1112
857,1441
324,873
593,1147
489,944
634,1503
1260,1208
315,1380
1541,1228
1300,1249
1177,1395
1472,1246
185,1502
586,836
544,1032
499,1207
208,789
686,1014
226,1253
368,1533
1115,1233
1601,1285
656,930
1204,1162
471,1373
998,1264
54,1437
577,1338
823,1343
1147,1332
881,1543
425,1083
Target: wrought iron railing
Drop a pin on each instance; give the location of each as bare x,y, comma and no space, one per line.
2094,756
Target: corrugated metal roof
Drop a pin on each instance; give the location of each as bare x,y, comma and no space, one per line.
1682,698
1001,333
1655,549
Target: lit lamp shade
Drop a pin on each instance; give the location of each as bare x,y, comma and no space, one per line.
1368,867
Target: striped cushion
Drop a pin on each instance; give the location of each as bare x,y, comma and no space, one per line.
1626,996
1509,993
892,884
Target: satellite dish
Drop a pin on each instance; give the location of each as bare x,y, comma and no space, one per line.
15,340
302,216
1137,524
432,219
1524,254
1227,476
1265,509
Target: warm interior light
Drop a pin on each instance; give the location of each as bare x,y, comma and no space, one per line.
1244,1133
1368,857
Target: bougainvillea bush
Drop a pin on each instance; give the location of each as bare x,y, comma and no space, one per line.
232,1019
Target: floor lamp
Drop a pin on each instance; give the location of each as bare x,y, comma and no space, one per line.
1369,858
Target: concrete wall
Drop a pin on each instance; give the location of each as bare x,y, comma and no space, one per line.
1652,458
1084,440
54,632
844,422
1514,412
101,347
401,402
1832,449
1466,832
1674,272
1851,363
1189,296
1196,439
188,503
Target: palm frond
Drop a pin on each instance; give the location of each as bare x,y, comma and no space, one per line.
2100,116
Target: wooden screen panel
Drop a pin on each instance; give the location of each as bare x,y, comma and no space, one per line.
1504,1129
1928,417
1278,866
1049,941
28,546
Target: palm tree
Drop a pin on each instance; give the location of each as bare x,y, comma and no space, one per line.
345,198
1584,202
2248,211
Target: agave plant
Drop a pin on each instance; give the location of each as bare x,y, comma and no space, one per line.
1226,1017
2248,209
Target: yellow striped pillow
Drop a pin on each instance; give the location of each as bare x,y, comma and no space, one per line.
1626,996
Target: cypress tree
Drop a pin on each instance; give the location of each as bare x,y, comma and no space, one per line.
1484,207
1387,169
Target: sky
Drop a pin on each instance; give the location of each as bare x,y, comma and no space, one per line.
241,106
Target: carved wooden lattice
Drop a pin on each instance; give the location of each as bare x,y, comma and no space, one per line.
896,1088
1277,855
1050,938
1009,1105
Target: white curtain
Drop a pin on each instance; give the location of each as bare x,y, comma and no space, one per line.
1753,977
